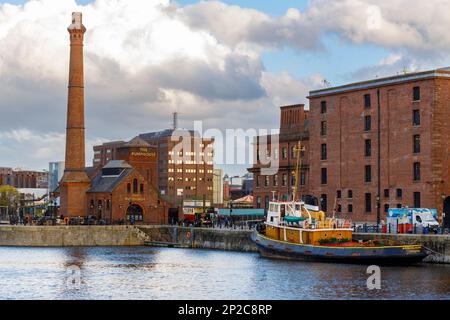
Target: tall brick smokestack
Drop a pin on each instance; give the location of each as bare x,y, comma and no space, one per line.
75,181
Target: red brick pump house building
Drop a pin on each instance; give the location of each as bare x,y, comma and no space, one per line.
120,193
379,144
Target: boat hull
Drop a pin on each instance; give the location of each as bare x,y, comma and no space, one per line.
389,255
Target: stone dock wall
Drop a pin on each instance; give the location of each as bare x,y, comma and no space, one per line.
70,236
204,238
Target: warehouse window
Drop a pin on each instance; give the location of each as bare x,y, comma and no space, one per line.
302,179
417,203
350,208
324,152
416,143
367,101
367,123
416,94
368,202
324,177
323,128
350,194
399,193
323,107
368,174
368,148
416,171
386,193
416,118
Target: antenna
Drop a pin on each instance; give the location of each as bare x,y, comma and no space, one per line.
175,121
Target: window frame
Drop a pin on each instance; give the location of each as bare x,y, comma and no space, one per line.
367,100
323,107
368,203
367,123
368,148
323,176
416,94
323,128
416,118
416,171
416,144
323,152
368,174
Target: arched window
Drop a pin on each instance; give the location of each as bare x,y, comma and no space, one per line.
142,188
135,186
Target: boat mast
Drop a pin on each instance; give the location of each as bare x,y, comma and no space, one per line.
297,151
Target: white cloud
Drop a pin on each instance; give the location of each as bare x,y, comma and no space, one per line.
147,58
34,150
416,24
391,59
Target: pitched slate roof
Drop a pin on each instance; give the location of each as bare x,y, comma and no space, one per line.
103,182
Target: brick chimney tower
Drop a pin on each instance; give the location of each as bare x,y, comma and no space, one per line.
75,181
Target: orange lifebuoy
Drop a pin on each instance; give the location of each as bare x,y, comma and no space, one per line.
188,235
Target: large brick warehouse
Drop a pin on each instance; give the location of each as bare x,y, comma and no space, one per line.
381,144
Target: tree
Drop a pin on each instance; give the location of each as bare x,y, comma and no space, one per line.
9,198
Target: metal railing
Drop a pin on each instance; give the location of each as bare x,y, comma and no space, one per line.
398,229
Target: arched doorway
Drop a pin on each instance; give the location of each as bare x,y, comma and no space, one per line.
135,213
447,212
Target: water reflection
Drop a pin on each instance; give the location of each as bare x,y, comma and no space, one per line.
152,273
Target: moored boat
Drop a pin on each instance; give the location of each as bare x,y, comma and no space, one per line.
299,231
292,232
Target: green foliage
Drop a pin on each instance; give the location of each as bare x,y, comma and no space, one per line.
9,196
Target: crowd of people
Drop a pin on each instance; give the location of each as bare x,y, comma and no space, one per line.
219,222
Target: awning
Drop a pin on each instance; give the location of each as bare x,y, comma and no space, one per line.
242,212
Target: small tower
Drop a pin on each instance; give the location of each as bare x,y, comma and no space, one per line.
75,181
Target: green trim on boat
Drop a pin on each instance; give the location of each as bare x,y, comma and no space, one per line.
294,219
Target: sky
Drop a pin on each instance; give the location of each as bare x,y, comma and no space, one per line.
229,63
